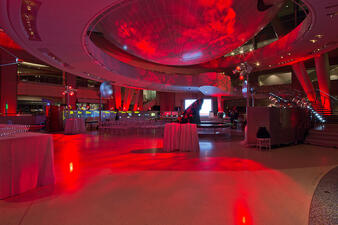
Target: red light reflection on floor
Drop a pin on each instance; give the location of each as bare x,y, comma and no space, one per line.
242,214
71,168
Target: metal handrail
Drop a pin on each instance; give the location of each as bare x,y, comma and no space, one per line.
328,95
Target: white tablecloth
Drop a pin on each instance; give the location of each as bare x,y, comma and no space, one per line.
26,162
74,126
181,137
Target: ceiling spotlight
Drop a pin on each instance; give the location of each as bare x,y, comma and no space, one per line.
125,47
251,49
313,40
319,36
289,53
258,64
232,53
282,57
241,51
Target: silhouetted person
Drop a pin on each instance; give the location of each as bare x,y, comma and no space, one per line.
117,116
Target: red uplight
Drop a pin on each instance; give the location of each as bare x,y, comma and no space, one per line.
63,93
241,77
71,93
238,68
71,167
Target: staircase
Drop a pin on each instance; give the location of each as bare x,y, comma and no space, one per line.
320,109
323,135
150,104
325,132
332,119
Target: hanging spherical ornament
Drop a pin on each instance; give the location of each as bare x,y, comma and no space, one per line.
106,89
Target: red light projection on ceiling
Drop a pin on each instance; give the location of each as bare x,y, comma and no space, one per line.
7,42
182,32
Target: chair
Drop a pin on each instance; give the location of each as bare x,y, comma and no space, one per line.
263,143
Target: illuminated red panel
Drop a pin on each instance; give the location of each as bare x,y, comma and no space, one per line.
7,42
183,32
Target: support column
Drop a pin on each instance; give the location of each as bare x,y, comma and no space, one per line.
111,104
167,101
295,82
140,100
323,76
136,98
220,104
71,81
117,97
129,92
304,80
8,85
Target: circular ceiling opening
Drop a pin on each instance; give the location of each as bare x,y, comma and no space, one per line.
183,32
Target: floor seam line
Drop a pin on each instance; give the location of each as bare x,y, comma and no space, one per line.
25,213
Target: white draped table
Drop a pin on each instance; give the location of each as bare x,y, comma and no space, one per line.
181,137
26,162
74,126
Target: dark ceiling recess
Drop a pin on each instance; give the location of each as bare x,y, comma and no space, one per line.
261,6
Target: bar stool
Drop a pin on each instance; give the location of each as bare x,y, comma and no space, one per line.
263,143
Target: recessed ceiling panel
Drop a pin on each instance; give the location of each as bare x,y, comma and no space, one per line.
184,32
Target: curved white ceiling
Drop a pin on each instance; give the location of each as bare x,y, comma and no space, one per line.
55,31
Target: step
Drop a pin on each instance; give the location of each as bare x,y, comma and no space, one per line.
322,142
322,138
330,126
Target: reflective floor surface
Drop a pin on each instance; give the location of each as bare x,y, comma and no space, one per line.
128,180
